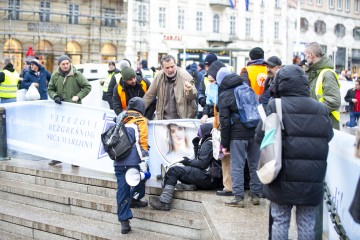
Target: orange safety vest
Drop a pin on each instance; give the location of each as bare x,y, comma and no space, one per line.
122,93
257,76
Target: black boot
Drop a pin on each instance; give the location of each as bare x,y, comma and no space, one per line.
158,205
125,227
137,203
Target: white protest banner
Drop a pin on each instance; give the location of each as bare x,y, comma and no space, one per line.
71,133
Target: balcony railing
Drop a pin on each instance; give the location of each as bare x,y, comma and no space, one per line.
220,3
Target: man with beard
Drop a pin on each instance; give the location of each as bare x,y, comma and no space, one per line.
175,90
324,85
273,65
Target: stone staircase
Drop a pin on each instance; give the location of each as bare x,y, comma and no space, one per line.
42,202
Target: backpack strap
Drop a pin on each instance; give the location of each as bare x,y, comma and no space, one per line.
279,110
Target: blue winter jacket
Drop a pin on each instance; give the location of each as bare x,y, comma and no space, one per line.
42,79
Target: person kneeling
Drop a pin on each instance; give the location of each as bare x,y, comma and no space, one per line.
128,197
203,172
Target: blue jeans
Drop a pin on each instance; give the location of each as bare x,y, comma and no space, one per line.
8,100
125,193
354,117
241,151
305,220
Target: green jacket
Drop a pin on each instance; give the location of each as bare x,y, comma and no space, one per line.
73,84
331,88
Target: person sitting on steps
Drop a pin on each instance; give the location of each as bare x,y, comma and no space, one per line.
202,172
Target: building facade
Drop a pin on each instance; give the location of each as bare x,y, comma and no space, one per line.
87,31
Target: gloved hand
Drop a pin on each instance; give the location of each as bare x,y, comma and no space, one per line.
186,161
57,99
202,101
143,166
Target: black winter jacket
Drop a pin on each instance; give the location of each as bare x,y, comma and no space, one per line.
231,127
307,132
350,95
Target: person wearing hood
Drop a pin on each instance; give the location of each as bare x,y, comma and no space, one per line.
130,197
306,124
238,141
39,77
324,85
197,173
107,88
130,85
68,84
9,79
254,74
209,59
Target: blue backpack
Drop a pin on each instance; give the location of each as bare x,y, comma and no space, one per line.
247,103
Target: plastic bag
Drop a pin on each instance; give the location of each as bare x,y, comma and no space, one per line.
20,95
32,94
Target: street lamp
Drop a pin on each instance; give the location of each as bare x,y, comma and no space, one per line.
334,51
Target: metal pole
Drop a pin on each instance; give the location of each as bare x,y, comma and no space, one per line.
3,142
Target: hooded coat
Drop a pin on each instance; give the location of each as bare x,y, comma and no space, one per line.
307,132
331,88
42,78
231,127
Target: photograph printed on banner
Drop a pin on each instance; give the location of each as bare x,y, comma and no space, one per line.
174,140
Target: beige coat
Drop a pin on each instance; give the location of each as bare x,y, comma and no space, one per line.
185,103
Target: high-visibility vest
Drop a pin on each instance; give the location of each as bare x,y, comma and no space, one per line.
257,75
122,93
118,77
8,87
206,81
319,90
107,82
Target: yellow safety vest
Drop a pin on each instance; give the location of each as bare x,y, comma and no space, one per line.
8,88
319,90
107,82
118,77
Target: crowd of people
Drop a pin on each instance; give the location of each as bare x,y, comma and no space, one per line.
310,103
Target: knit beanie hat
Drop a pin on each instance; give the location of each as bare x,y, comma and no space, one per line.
124,64
35,62
128,73
222,73
256,53
62,58
214,68
210,58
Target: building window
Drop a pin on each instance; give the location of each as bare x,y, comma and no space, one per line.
356,33
304,24
216,23
319,2
247,27
339,30
109,15
347,5
44,13
276,30
340,4
142,15
277,3
356,6
261,29
162,17
73,14
13,12
199,20
232,25
181,18
331,3
320,27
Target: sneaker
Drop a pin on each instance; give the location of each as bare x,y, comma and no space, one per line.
137,203
237,201
125,227
224,193
54,162
185,187
255,199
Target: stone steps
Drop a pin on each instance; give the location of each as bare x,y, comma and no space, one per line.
93,199
32,222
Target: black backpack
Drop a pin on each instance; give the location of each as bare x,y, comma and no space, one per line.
116,141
